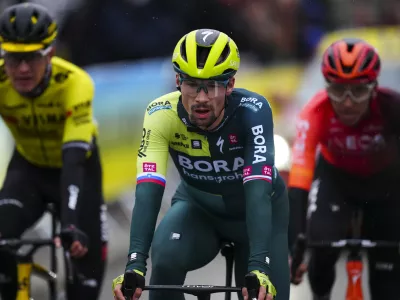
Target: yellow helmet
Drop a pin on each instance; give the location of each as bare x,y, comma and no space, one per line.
206,54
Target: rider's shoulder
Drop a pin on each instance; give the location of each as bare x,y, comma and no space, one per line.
318,103
387,93
252,102
65,73
166,104
388,103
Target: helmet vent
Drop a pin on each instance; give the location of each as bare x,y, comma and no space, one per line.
350,47
347,69
224,55
183,50
377,65
367,60
331,62
202,55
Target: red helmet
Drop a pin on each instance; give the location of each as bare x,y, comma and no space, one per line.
351,60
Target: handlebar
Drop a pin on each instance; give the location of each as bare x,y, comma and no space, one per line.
349,243
35,244
302,244
192,289
200,291
14,243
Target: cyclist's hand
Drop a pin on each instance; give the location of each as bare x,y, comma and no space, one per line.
116,287
118,282
75,240
265,284
301,270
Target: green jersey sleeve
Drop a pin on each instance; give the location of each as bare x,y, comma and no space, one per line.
258,173
151,170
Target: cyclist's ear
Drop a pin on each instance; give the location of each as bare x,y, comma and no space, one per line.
230,86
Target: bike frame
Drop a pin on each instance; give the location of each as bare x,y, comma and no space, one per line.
354,269
26,266
228,251
354,264
24,281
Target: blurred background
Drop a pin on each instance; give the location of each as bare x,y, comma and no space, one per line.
126,46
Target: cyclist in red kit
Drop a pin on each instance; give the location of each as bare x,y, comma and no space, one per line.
346,154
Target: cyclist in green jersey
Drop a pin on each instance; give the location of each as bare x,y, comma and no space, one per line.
221,141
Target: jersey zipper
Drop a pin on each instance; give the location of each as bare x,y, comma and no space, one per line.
36,126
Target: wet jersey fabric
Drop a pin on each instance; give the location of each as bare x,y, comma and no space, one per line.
60,117
363,150
228,173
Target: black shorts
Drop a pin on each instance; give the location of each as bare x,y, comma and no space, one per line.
27,190
332,197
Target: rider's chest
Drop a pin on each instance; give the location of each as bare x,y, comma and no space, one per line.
368,137
40,114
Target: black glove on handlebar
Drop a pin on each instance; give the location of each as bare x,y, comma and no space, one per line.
70,234
253,285
132,281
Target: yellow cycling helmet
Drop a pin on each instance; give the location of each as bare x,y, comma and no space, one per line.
206,54
26,27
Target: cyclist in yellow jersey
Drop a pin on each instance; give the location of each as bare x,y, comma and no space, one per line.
46,102
220,139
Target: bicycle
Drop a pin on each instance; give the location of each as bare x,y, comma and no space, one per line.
355,245
26,266
228,251
202,292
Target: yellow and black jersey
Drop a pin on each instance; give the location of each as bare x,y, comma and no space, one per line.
62,116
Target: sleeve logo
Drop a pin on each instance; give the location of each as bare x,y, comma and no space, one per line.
260,149
267,170
247,171
149,167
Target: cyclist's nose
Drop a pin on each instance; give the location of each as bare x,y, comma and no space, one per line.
348,102
202,96
23,67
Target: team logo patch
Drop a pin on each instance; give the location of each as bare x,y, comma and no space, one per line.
156,106
267,170
247,171
233,139
149,167
196,144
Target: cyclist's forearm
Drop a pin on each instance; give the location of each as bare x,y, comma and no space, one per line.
259,224
298,213
144,219
72,177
